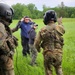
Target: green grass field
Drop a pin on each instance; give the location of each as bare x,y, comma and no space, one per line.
21,64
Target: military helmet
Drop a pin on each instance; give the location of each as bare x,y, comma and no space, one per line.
6,12
49,15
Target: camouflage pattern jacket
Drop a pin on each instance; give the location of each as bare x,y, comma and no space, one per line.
50,37
7,41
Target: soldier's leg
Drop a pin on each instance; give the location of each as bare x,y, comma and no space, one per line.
9,67
10,72
1,71
7,72
48,68
58,63
59,70
34,55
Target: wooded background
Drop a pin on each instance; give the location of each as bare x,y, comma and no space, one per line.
31,10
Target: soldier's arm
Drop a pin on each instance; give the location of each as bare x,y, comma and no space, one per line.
3,45
59,20
60,31
60,28
37,42
17,27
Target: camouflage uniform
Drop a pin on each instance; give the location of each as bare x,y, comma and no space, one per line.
33,54
7,45
32,35
50,39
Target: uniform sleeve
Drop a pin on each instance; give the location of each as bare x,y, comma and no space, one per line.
37,42
17,27
60,29
3,35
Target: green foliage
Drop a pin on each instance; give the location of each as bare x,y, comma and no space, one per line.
18,8
21,63
32,11
26,12
22,10
69,47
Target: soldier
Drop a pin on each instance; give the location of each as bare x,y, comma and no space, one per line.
32,35
7,41
51,40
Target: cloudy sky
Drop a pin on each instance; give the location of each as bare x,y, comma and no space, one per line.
39,3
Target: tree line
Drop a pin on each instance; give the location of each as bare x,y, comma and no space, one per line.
31,10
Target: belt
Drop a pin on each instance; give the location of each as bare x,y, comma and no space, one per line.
45,51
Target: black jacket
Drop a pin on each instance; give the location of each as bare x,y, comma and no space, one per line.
32,35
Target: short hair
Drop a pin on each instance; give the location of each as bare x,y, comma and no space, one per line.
26,17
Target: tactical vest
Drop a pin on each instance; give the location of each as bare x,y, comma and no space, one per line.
48,37
10,42
51,39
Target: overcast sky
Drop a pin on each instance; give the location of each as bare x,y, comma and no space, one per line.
39,3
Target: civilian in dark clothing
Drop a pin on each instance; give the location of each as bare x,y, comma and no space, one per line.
32,35
25,26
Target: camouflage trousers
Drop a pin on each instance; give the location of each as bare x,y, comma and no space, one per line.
6,65
53,59
33,54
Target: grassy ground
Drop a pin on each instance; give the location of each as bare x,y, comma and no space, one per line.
21,63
